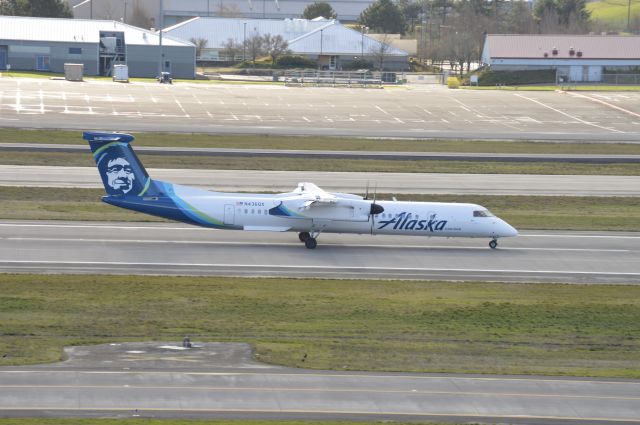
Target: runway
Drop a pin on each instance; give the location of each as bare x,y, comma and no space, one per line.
306,154
175,249
146,380
408,111
349,182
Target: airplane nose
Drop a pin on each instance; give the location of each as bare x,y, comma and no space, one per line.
508,230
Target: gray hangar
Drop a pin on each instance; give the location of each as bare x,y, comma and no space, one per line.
46,44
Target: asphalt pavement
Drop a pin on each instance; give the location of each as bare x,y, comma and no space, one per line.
420,111
176,249
349,182
162,379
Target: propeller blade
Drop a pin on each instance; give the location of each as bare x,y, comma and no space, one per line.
366,193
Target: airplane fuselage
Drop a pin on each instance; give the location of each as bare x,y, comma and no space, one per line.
240,211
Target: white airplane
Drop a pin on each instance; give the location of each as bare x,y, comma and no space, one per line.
307,210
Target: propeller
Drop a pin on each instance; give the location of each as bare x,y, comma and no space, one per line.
366,191
375,208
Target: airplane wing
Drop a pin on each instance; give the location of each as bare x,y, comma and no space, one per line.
311,202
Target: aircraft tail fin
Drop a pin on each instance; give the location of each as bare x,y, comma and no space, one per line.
121,171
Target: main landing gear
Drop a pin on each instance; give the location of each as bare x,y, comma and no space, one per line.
309,239
493,244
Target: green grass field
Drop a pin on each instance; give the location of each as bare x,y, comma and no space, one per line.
329,164
524,212
614,12
472,327
248,141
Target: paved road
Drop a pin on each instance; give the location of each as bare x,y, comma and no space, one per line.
137,248
417,112
290,153
149,380
350,182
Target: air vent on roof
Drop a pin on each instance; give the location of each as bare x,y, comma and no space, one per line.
572,51
579,54
554,51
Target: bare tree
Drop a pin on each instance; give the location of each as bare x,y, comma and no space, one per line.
380,51
229,11
200,43
254,46
138,17
231,48
275,46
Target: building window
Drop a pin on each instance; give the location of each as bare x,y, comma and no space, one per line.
42,63
75,50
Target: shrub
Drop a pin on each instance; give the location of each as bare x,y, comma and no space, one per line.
359,63
540,76
295,61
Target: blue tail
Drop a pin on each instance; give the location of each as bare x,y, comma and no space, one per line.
121,171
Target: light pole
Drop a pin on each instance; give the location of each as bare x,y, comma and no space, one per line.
244,43
320,57
629,16
160,35
362,30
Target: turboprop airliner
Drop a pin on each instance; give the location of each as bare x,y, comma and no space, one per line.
307,210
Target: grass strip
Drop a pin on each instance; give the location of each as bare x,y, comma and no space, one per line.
330,164
470,327
146,421
264,141
524,212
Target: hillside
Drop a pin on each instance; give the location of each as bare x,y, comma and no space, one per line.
614,13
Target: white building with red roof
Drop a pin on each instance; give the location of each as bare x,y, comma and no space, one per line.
575,57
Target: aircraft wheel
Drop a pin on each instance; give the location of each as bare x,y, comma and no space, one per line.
303,236
493,244
310,243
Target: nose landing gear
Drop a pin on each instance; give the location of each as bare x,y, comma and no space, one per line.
493,244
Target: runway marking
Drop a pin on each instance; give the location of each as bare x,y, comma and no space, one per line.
239,243
593,99
333,412
382,110
268,371
319,266
568,115
195,228
322,390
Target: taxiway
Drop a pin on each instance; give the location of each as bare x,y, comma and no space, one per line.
349,182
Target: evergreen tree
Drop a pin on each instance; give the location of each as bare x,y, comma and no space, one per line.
44,8
317,9
383,16
9,8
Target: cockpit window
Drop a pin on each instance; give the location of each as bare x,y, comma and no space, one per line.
482,213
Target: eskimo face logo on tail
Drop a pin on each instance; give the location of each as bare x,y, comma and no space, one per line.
120,175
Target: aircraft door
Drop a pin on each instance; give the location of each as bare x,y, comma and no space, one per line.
229,214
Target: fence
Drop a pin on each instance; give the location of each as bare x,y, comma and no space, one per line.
334,78
621,78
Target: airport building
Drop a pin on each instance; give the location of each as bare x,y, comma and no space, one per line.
328,42
575,58
46,44
175,11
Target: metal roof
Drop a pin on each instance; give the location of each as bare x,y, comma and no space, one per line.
502,46
303,35
77,31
